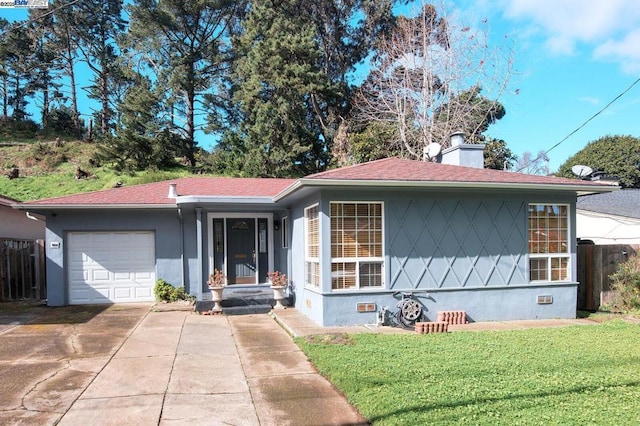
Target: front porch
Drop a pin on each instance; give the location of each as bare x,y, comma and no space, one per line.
242,300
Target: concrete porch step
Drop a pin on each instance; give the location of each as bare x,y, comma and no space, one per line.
242,301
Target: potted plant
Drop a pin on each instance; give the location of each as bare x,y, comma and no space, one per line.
217,281
278,282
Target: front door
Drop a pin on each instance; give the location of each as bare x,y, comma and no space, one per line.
241,254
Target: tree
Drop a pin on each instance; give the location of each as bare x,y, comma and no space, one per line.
44,62
276,77
139,142
185,43
617,155
426,81
292,75
497,156
15,53
64,37
533,165
96,26
370,143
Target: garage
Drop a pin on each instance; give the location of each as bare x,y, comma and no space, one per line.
111,267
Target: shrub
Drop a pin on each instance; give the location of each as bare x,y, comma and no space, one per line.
166,292
626,281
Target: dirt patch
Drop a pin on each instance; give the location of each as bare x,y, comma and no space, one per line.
330,339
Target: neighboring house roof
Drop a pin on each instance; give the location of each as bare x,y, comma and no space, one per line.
6,201
625,203
386,172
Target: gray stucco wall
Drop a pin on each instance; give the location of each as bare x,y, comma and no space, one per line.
165,224
468,251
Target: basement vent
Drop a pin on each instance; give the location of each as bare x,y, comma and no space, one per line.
366,307
545,299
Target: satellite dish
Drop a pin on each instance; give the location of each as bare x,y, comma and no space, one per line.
433,149
581,171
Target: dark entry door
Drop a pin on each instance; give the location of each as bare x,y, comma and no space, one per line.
241,251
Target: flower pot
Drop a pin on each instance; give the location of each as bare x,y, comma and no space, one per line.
278,295
216,296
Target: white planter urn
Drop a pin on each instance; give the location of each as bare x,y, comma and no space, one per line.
278,295
216,296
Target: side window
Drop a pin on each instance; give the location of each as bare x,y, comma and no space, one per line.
549,256
312,246
357,252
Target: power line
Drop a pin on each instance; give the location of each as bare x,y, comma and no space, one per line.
30,20
542,155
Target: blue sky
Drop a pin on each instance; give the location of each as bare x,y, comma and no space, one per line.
572,57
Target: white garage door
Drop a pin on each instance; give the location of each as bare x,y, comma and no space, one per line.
111,267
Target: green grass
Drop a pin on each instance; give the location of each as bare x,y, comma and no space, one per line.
47,171
574,375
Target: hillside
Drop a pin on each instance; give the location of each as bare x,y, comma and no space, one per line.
48,169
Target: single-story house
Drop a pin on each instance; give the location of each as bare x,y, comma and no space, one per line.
496,244
610,217
16,225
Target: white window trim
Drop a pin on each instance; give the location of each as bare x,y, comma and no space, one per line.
255,216
550,256
307,258
359,260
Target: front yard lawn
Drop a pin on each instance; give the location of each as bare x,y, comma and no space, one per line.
573,375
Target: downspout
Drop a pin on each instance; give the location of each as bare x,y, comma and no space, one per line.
182,271
173,193
199,257
32,217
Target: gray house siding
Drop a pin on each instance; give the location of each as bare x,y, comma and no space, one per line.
165,224
456,251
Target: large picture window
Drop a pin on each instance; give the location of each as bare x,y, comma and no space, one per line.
356,245
312,246
549,256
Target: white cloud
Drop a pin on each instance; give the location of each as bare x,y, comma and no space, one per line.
590,100
626,51
608,27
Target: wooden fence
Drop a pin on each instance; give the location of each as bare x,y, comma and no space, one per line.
22,270
595,264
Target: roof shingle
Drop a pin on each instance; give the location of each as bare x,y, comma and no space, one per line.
157,193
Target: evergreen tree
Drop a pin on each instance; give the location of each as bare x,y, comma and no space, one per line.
96,26
183,42
134,146
291,82
276,75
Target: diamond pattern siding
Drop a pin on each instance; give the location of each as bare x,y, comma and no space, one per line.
456,243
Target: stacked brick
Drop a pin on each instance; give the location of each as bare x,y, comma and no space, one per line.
432,327
441,324
452,317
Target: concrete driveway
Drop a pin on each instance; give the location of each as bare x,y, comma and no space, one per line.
126,364
48,356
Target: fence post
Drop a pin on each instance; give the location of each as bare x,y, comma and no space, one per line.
2,271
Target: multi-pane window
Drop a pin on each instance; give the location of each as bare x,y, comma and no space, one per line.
312,246
549,256
356,245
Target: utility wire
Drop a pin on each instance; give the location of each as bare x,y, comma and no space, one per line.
30,20
544,154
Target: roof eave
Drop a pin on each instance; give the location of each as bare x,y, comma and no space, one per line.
579,189
203,199
91,206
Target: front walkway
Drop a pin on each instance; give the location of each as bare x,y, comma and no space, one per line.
179,367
